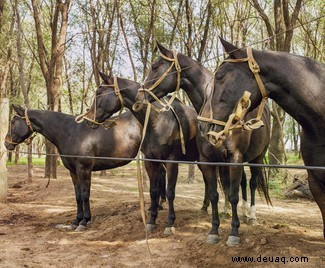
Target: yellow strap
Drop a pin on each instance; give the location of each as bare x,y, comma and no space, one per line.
109,122
181,134
139,174
241,107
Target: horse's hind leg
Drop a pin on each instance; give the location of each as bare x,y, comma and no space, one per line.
162,186
153,173
206,201
210,175
172,173
245,205
77,189
85,179
317,188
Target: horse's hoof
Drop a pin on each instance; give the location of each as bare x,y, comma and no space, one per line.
251,221
203,212
213,239
150,227
81,228
169,230
233,241
72,227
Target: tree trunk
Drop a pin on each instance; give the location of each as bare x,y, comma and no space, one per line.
51,63
30,171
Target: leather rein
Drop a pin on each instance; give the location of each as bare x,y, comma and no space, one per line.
236,119
109,122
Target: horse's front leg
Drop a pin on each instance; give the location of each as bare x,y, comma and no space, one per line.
153,171
235,174
172,173
77,189
84,176
210,176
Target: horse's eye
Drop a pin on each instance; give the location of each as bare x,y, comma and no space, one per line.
219,76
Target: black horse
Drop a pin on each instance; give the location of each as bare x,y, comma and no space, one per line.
296,83
174,70
83,142
162,138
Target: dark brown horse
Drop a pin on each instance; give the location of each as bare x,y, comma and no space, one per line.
296,83
180,71
83,142
162,138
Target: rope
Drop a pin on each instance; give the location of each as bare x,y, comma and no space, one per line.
140,177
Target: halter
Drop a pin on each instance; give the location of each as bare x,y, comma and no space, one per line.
29,124
166,106
241,108
109,122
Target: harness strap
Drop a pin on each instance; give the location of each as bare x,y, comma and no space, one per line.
29,124
139,174
109,122
241,108
175,63
181,133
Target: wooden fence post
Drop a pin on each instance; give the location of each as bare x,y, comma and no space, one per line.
4,117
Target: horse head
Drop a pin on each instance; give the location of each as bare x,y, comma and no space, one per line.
107,101
163,78
20,128
235,93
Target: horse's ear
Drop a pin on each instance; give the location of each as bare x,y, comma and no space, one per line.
19,110
164,51
104,77
232,50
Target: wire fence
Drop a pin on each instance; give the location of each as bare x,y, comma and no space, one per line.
218,164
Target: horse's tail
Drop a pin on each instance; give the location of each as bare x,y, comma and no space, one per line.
263,185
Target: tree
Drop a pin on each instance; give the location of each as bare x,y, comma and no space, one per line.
50,59
280,35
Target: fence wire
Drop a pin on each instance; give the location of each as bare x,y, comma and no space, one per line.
219,164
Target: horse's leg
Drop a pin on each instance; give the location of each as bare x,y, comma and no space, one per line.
206,201
317,188
172,173
153,170
210,175
245,205
77,190
84,176
162,186
224,180
235,177
256,174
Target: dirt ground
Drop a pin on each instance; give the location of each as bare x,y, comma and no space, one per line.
30,235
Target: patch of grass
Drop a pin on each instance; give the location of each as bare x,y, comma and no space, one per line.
23,161
294,159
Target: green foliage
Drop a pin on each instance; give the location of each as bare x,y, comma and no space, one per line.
23,161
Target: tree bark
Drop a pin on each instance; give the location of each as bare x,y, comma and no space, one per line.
52,66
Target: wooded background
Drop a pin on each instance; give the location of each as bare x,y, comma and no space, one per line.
51,50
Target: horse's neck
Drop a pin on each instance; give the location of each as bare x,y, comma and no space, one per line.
296,84
196,79
129,92
46,123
